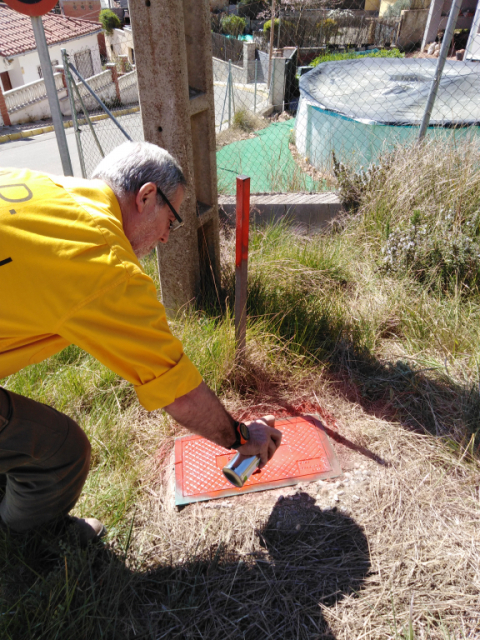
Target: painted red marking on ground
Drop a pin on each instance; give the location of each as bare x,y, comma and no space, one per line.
305,454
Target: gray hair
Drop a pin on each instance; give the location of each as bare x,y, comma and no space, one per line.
133,164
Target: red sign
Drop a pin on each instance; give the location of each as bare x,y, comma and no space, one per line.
32,7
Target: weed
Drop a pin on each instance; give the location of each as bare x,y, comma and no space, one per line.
245,120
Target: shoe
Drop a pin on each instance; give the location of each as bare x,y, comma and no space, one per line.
87,529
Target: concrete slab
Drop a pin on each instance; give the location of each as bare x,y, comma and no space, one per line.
308,211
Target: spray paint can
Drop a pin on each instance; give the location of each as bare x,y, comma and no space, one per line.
239,471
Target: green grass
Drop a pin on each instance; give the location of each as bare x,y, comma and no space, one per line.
351,55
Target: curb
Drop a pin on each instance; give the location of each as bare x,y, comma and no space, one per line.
28,133
309,212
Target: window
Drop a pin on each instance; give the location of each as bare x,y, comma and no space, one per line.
83,63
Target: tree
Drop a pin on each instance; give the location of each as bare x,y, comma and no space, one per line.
251,8
233,25
109,20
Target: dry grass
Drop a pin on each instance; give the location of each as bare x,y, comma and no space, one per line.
244,124
389,552
396,557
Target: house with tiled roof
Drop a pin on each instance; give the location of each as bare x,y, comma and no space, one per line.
19,62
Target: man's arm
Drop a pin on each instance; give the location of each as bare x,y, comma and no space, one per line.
202,412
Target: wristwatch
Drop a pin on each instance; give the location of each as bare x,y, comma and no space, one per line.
243,435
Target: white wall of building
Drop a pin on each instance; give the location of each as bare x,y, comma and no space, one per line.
120,43
24,68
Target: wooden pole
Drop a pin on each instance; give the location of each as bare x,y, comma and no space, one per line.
241,263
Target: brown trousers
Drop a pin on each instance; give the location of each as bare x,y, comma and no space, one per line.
44,459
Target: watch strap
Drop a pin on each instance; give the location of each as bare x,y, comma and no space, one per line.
240,439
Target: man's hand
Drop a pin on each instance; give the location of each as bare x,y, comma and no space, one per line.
264,439
202,412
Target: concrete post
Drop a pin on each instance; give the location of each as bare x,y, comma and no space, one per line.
113,70
3,109
371,32
433,20
59,69
175,83
277,94
249,61
123,62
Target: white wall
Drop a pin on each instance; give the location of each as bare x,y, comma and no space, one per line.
122,42
35,112
25,67
15,73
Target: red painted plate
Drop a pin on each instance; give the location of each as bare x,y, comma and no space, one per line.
304,455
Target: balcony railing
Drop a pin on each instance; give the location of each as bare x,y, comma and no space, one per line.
30,93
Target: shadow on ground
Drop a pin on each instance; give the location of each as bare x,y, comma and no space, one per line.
307,559
423,398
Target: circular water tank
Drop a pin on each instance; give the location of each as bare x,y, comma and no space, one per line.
361,108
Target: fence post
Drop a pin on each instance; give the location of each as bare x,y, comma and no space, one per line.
3,109
76,129
59,69
270,53
248,59
42,50
241,263
113,70
447,38
255,94
229,93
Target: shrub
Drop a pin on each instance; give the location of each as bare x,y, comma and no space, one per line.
328,28
447,254
109,20
233,25
354,186
244,120
268,25
351,55
394,10
419,206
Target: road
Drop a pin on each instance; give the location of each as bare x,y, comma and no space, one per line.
40,153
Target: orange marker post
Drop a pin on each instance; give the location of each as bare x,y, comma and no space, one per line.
241,263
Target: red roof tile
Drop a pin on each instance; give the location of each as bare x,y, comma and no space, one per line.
16,33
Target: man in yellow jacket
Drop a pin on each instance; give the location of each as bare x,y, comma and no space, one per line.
69,273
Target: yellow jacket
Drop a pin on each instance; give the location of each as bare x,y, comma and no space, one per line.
68,275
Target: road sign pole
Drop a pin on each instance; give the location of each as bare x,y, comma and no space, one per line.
52,96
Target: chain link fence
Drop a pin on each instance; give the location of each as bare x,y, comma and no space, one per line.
115,86
342,84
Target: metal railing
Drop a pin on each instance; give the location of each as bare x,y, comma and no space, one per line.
30,93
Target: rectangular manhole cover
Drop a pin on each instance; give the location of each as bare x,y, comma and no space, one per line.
304,455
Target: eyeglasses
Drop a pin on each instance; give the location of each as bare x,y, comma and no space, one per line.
178,221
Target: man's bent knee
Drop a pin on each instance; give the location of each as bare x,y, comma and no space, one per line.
46,457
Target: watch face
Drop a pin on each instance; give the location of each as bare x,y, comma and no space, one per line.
244,431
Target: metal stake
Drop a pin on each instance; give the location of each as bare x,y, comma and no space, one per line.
224,103
87,118
255,94
272,29
447,38
229,93
241,263
52,95
68,77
